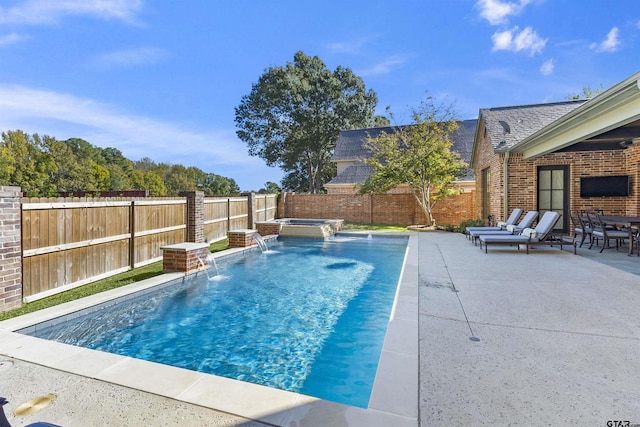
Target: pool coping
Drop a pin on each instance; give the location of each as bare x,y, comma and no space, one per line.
394,398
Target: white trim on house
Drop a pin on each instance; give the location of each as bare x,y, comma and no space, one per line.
613,108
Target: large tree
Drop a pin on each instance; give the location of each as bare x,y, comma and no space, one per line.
419,156
587,92
43,166
293,115
24,164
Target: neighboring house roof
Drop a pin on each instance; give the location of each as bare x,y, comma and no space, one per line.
351,147
508,126
357,173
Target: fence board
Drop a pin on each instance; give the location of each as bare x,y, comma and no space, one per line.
68,242
73,241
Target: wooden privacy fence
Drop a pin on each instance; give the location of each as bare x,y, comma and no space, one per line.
67,243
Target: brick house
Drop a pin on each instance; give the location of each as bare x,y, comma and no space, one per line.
536,157
350,151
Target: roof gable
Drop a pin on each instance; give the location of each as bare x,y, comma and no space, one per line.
508,126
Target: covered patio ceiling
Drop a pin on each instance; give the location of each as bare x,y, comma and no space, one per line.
615,139
609,121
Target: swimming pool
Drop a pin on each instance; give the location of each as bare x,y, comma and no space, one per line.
321,335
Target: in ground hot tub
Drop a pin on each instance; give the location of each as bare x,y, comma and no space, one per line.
304,227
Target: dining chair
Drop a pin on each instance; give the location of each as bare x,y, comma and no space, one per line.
578,227
588,217
607,234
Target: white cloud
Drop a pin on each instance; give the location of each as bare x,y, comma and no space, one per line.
512,40
383,67
39,12
610,44
547,68
352,46
497,12
132,57
64,116
11,39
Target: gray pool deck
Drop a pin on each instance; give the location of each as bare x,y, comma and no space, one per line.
505,338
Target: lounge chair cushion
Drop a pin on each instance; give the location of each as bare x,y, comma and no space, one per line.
529,236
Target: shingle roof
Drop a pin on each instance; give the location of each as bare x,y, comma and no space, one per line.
357,173
350,144
350,147
507,126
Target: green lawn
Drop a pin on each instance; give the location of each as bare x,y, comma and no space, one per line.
142,273
351,226
122,279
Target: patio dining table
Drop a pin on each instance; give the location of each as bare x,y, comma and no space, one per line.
623,221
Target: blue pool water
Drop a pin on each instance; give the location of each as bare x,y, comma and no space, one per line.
309,316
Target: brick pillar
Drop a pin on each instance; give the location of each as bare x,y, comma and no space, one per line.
185,257
195,216
267,228
241,238
10,249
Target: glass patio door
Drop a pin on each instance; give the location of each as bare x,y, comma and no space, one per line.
553,194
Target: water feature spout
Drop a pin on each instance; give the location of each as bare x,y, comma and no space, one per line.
211,261
203,265
261,242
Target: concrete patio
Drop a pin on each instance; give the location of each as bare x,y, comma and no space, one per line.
548,338
505,338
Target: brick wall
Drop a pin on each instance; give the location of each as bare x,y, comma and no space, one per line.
487,159
394,209
10,249
522,179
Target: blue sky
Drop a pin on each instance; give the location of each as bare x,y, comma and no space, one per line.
161,79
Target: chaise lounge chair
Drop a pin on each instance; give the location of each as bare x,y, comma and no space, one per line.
529,236
526,222
502,225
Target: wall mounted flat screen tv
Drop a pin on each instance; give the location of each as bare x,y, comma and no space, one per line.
604,186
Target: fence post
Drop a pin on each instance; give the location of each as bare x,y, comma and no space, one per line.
132,232
251,204
10,248
195,215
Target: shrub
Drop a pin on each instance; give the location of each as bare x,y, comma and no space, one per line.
470,223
